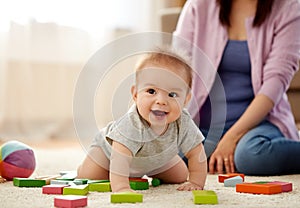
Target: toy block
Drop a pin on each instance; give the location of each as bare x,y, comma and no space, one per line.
80,181
64,172
59,182
53,189
285,186
28,182
48,178
138,179
262,182
231,182
139,185
70,176
222,177
76,190
126,197
205,197
97,181
100,187
256,188
155,182
70,201
65,179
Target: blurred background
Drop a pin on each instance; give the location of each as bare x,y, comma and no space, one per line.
44,44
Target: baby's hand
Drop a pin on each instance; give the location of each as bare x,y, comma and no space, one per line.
189,186
126,190
2,180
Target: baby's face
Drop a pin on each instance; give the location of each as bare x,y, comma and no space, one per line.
160,94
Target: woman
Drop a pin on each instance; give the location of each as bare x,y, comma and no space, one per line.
254,46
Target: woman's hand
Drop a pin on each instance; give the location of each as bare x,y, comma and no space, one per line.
223,156
224,153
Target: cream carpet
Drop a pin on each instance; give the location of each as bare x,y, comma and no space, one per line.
54,157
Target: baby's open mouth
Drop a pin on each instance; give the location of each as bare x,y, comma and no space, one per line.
159,113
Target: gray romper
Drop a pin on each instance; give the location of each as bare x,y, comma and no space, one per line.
150,151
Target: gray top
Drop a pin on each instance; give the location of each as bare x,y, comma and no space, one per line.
150,151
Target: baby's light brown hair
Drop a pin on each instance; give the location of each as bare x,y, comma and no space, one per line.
167,55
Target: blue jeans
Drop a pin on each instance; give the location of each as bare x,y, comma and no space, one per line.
265,151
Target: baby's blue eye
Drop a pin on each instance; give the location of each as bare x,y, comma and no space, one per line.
151,91
173,94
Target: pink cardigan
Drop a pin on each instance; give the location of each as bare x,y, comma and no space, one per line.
274,51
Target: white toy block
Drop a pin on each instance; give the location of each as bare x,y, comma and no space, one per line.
231,182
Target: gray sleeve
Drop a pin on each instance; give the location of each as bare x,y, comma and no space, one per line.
126,132
128,140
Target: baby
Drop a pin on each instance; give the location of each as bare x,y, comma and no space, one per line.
147,140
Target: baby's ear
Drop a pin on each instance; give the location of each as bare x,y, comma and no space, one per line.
187,98
134,92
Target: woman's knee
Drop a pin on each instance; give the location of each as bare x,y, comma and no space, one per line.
241,160
251,155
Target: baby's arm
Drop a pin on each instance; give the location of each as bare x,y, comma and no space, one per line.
197,163
120,161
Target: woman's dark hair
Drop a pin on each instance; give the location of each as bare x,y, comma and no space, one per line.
263,9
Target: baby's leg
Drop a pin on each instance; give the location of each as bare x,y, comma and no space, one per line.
95,166
176,173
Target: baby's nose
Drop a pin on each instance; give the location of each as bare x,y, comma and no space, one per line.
161,99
